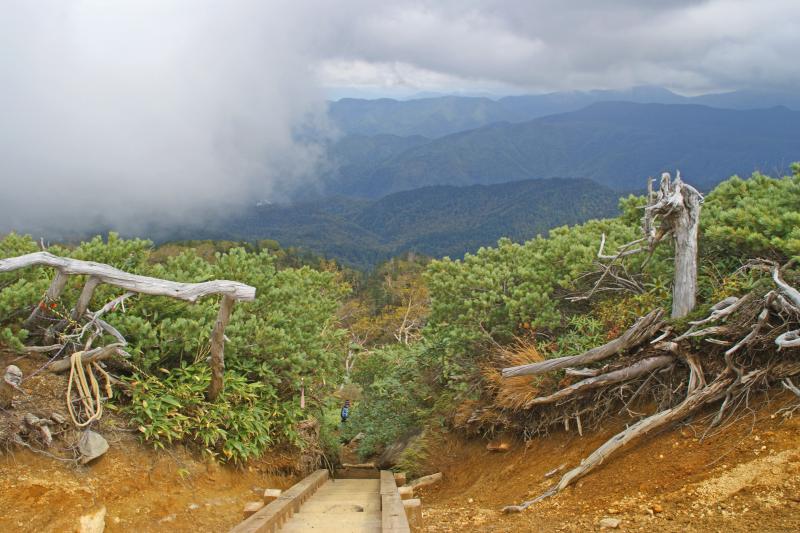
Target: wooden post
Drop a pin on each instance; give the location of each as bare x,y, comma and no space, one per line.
251,508
270,495
218,347
52,294
85,297
414,513
406,493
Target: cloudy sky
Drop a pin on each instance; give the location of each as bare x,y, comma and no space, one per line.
138,109
544,45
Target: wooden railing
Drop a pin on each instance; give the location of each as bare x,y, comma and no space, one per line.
393,514
231,291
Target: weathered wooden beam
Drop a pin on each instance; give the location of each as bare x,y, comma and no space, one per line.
413,509
425,481
270,495
273,515
189,292
393,515
406,493
637,369
251,508
218,347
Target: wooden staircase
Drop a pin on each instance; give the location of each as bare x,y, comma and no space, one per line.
342,505
319,504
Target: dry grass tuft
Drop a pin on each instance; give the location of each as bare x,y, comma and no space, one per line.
514,393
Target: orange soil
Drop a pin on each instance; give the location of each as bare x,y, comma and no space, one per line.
744,478
141,489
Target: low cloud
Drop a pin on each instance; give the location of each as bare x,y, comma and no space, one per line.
118,114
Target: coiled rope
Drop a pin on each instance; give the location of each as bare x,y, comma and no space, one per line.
88,390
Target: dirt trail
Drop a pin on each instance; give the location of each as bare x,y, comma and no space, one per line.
745,478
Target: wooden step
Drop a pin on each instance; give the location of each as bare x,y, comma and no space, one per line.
343,505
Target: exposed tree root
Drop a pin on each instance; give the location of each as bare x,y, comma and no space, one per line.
753,325
694,401
628,373
643,330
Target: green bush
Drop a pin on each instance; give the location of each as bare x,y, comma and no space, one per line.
519,290
240,426
759,216
396,398
288,334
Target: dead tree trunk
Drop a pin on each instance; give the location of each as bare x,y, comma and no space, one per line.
628,373
673,210
677,206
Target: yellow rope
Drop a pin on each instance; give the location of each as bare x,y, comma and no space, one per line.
88,391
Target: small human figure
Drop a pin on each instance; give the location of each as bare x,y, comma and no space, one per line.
345,411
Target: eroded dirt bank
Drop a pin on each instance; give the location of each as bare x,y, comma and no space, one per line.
744,478
141,490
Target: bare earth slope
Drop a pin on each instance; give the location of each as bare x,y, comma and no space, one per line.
744,478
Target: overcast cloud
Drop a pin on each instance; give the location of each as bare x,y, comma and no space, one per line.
126,111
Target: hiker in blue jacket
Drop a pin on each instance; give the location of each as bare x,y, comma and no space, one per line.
345,411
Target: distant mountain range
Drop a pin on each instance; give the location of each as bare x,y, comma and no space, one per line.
617,144
435,221
444,115
447,175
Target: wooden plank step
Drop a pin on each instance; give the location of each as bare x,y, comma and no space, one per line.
364,484
342,506
331,528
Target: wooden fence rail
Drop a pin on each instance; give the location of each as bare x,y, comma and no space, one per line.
231,291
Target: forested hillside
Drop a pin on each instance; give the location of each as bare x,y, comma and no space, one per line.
434,221
549,299
613,143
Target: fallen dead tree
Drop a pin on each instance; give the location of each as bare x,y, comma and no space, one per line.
641,331
640,368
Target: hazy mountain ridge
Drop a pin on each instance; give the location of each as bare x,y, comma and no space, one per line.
614,143
443,115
